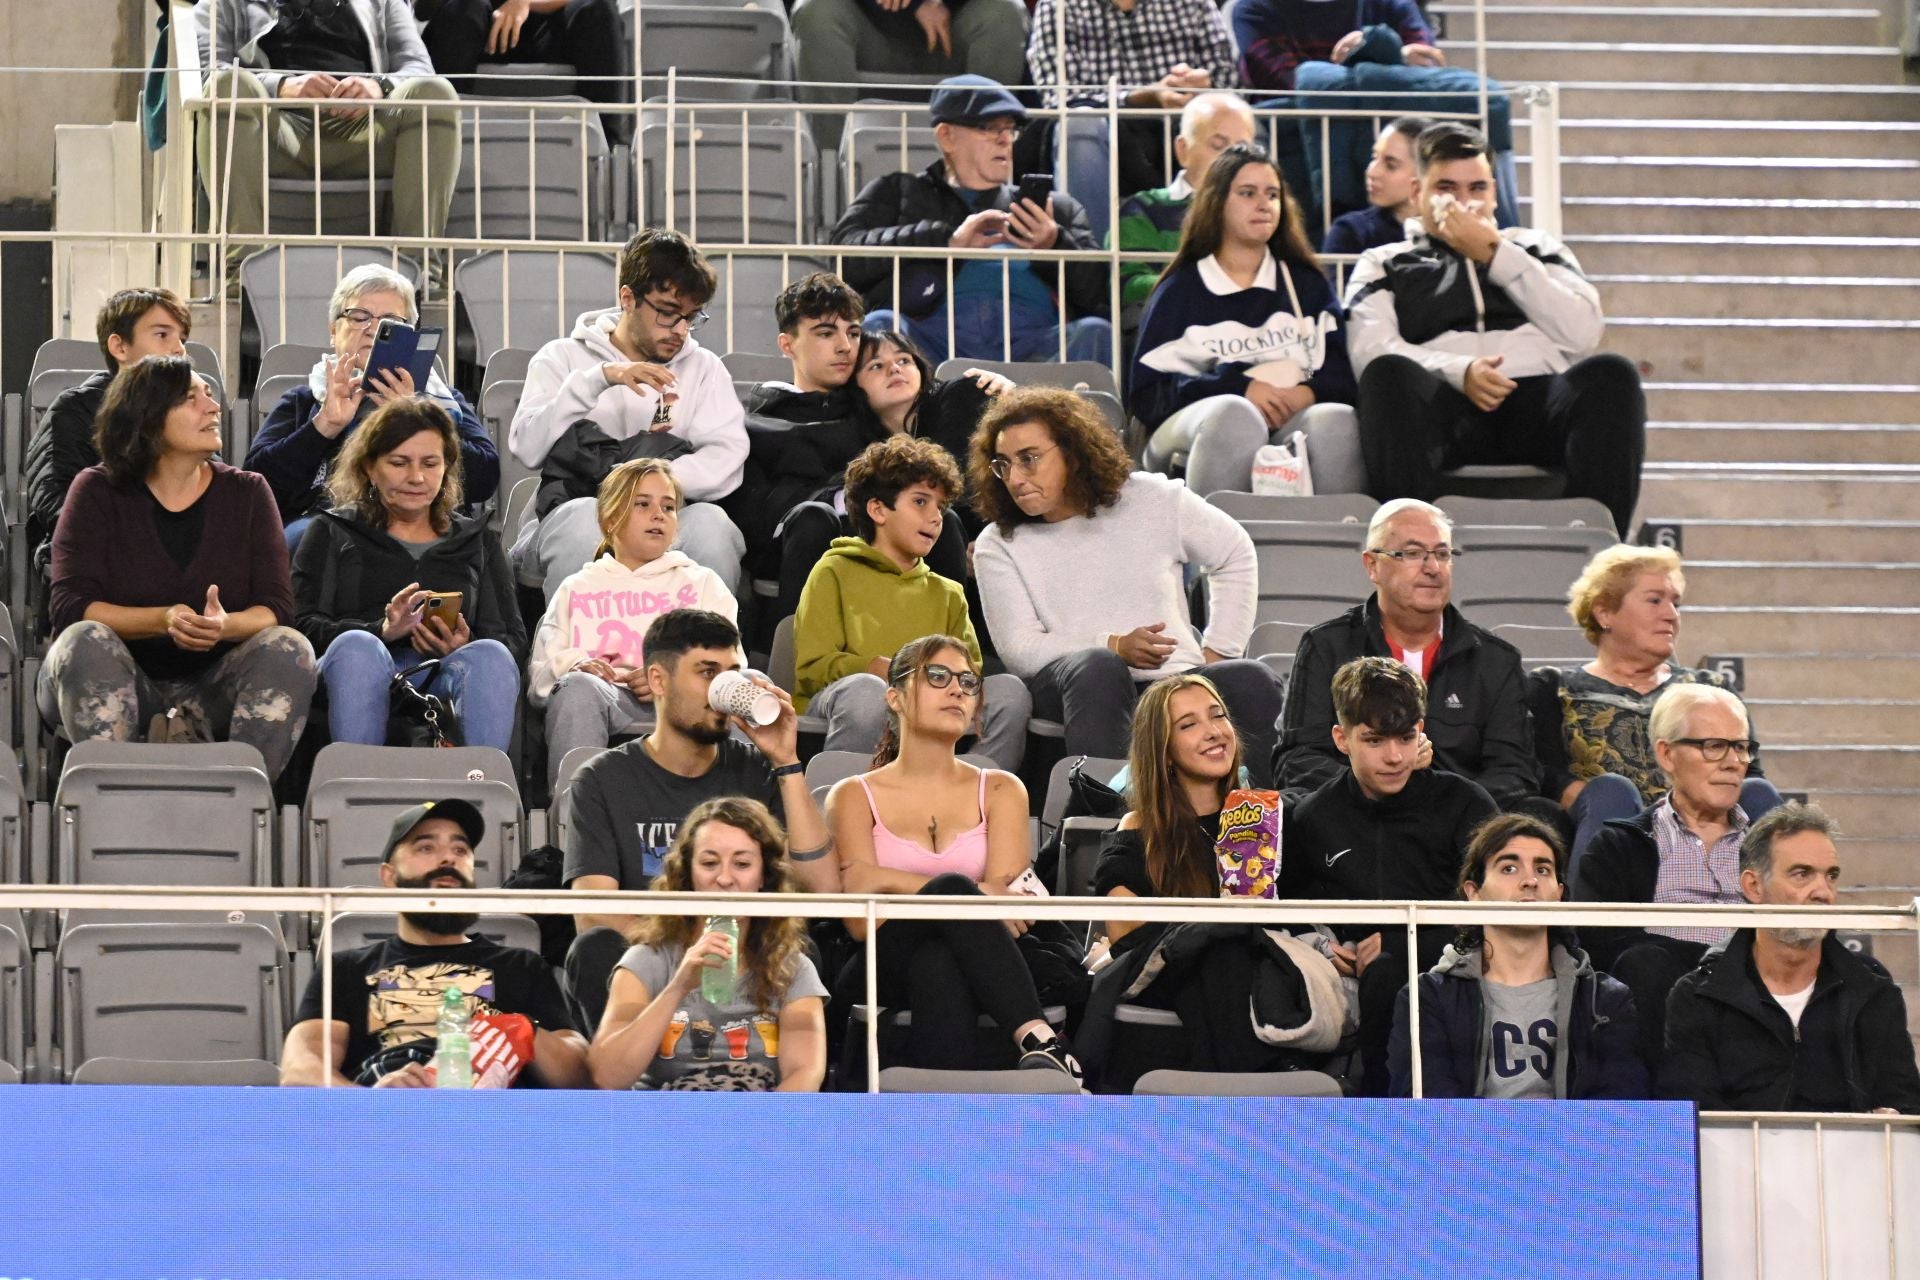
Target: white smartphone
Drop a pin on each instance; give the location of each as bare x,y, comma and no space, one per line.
1029,884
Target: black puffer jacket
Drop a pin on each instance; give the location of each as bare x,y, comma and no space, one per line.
924,210
60,450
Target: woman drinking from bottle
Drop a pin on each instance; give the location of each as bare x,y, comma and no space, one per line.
722,1005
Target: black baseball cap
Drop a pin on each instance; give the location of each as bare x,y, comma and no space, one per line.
972,99
472,825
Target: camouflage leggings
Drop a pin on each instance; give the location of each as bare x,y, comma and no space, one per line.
257,692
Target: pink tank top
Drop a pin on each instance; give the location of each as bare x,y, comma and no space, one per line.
967,855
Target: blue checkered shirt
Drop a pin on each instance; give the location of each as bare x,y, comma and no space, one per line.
1693,874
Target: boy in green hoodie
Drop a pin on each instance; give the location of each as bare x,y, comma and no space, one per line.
872,594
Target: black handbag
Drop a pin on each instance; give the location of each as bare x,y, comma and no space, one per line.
416,718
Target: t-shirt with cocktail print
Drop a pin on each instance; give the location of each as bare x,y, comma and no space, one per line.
716,1048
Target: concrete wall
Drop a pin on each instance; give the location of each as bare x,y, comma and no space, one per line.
63,33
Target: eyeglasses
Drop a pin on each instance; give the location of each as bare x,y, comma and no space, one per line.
940,677
315,10
361,318
1420,555
997,129
1715,749
1027,460
674,319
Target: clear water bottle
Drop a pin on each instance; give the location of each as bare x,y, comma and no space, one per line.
453,1049
717,982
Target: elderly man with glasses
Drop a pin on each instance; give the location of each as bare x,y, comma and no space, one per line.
631,381
1684,848
296,445
1476,721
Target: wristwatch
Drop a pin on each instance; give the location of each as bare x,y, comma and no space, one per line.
788,770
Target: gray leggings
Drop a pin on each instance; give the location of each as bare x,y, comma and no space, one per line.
1221,434
257,692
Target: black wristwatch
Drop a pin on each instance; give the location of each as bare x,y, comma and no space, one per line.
788,770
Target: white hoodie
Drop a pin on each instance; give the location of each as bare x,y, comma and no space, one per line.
567,382
605,609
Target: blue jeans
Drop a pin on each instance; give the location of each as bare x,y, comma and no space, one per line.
480,678
1031,335
1612,796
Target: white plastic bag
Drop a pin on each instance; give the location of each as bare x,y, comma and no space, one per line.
1280,470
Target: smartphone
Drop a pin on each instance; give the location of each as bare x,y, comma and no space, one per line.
1028,883
1036,187
444,605
397,345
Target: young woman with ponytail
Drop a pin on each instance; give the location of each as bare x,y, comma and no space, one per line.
924,821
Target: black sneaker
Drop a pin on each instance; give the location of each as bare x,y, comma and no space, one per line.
1053,1054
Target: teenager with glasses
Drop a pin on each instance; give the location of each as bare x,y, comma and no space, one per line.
1083,576
924,821
632,381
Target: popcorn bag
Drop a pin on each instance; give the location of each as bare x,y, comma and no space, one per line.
1280,470
502,1047
1248,849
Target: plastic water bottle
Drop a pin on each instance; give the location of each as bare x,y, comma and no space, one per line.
717,982
453,1050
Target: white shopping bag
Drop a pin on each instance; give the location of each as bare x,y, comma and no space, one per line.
1280,470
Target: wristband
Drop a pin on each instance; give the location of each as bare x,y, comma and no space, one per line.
788,770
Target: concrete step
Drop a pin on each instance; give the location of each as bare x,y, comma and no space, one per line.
1789,492
1776,24
1856,720
1657,101
1811,443
1745,255
1874,864
1889,815
1801,582
1721,400
1762,297
1829,675
1736,216
1761,537
1722,138
1736,177
1515,61
1802,767
1743,629
1756,349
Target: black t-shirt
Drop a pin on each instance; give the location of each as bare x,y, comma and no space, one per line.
179,532
318,35
1123,861
388,993
627,809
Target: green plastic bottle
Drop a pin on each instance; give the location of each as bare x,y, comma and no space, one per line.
718,982
453,1050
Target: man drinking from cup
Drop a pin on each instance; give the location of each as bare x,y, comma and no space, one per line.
628,802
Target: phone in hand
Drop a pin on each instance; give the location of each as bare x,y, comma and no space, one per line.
444,605
1037,187
398,345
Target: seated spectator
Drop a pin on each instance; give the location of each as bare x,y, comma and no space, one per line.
460,34
170,598
1517,1011
365,569
1393,187
134,324
1383,829
661,1031
1150,220
946,972
873,593
1277,36
1494,363
1083,576
387,995
295,446
1590,724
349,56
1789,1019
632,382
968,199
1161,52
629,802
1476,723
836,41
1242,343
589,665
1684,848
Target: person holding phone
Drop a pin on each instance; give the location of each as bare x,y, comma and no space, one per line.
393,578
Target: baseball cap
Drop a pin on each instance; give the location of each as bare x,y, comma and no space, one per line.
472,825
970,99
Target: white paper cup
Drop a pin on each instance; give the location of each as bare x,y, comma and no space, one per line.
732,693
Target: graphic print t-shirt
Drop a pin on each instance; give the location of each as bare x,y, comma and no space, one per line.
627,809
716,1048
1525,1034
389,992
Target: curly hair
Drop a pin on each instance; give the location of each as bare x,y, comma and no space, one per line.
1604,583
771,946
1097,465
887,467
350,482
129,430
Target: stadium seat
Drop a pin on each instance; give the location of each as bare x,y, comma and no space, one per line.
1530,513
284,292
742,304
524,298
144,814
1508,575
300,205
780,671
537,80
719,53
1308,572
1166,1083
1074,375
256,1072
1276,637
532,175
755,183
498,401
875,144
1505,481
746,366
829,767
922,1080
357,791
178,992
1566,646
1053,806
506,364
353,929
16,990
561,815
1317,508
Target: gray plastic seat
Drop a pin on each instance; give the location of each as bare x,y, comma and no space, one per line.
1317,508
829,767
535,80
144,814
1530,513
924,1080
1238,1084
780,667
14,855
743,297
532,175
875,144
1308,572
755,183
353,929
357,791
746,366
1074,375
284,292
498,401
175,992
560,816
1516,574
1053,805
1564,646
507,364
245,1072
1276,637
1505,480
706,45
16,989
299,205
527,297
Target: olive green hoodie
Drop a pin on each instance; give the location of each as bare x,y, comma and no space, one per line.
858,606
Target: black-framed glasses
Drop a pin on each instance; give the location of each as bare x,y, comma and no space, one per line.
674,319
309,10
1420,555
1715,749
940,677
361,318
1027,460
